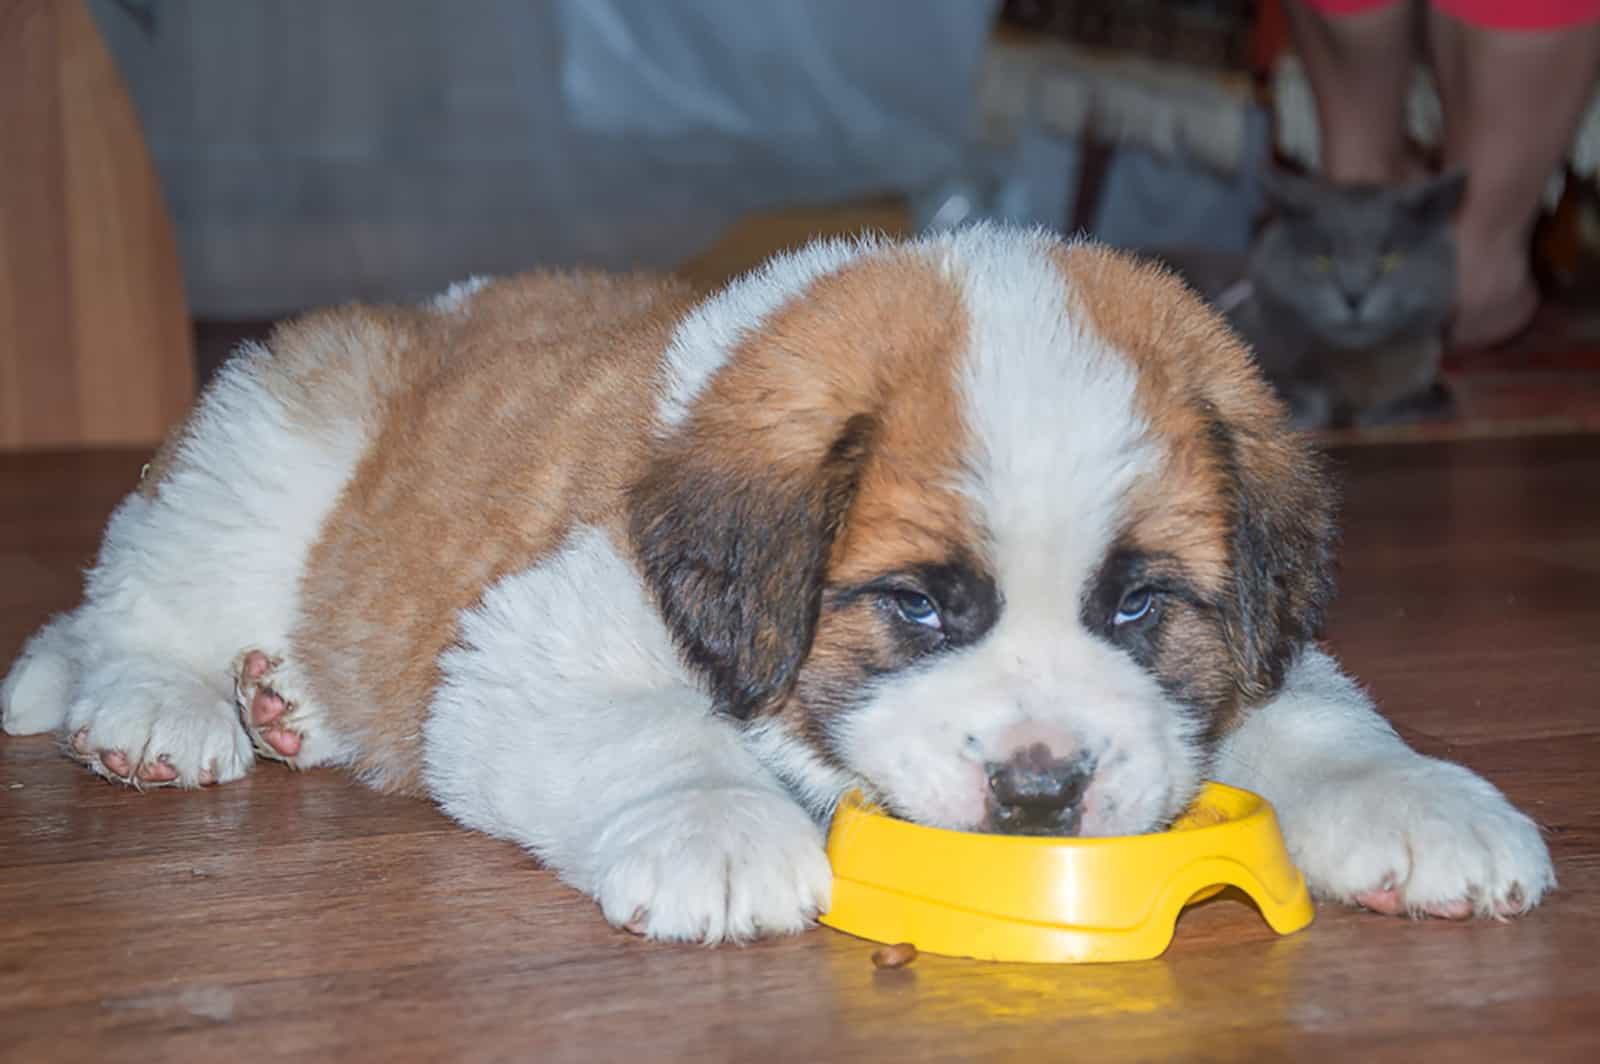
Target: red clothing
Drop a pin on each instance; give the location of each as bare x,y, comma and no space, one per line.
1490,14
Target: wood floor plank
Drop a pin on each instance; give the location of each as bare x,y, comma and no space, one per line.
300,916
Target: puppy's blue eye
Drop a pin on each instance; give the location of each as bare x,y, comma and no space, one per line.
918,609
1135,605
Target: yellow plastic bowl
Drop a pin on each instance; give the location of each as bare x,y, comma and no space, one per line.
1023,898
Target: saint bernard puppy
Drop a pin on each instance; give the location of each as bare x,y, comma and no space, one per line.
1002,529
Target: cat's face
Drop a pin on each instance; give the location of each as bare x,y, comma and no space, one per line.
1359,266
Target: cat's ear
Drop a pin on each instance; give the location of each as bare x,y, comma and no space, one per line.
1287,192
1436,199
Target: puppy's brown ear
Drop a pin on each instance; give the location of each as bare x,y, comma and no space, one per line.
734,551
1282,547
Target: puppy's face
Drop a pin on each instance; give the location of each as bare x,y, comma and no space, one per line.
1006,530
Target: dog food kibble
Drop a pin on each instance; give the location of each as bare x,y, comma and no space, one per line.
1202,816
896,956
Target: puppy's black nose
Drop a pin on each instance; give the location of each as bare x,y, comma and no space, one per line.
1037,793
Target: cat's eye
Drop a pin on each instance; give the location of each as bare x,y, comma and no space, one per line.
1135,606
1321,263
917,608
1391,261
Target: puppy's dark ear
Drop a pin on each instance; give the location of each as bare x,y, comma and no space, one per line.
735,552
1281,546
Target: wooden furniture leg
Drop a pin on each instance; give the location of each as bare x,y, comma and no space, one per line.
95,340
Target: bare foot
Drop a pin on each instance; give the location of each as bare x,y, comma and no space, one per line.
1487,315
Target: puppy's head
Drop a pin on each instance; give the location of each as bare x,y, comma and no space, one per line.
1006,529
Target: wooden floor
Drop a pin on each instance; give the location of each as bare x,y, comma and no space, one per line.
299,916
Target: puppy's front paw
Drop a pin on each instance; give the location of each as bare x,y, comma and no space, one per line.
1417,836
713,864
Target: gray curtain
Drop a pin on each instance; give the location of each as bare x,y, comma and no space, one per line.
318,150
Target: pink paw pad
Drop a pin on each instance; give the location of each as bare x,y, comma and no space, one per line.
158,771
282,740
1389,902
263,707
119,765
266,706
256,665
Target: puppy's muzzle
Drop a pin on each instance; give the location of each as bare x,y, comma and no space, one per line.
1035,792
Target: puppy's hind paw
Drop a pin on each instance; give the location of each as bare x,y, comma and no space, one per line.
148,726
282,721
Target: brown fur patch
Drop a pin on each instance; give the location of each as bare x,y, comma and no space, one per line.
866,356
1240,501
884,335
906,510
497,431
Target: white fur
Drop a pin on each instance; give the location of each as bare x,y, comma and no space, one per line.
458,297
1058,443
1363,812
188,580
706,338
565,722
814,782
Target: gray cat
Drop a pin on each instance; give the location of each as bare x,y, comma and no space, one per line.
1345,296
